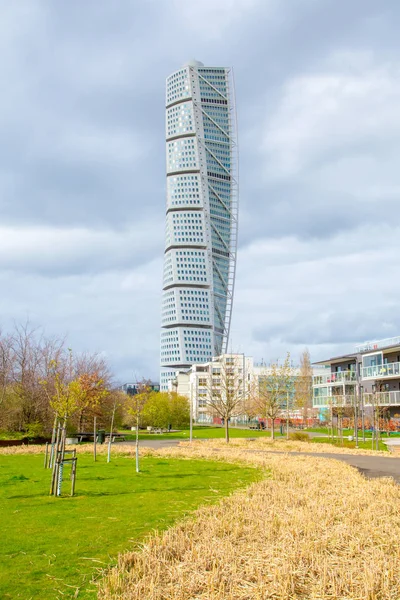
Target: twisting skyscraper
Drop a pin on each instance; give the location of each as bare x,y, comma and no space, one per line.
201,216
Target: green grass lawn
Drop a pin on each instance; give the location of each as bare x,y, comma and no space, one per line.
199,432
346,444
346,432
52,546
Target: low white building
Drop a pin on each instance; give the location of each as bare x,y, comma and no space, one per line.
196,383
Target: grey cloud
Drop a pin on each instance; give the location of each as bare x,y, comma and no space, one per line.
83,148
56,252
342,328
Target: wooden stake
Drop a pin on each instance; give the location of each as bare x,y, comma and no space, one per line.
94,438
55,461
46,453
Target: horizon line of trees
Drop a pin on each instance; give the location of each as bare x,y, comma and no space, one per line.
37,370
41,379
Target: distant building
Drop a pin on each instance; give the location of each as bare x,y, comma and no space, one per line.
196,383
369,376
132,388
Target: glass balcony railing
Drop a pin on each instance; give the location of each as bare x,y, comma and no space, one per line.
381,371
382,399
327,401
334,378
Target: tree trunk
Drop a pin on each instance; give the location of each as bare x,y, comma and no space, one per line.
272,428
53,441
137,445
80,425
226,431
305,416
111,431
94,437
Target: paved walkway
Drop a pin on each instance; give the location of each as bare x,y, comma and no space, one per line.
156,444
370,466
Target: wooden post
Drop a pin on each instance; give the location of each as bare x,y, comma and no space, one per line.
55,461
356,399
137,444
191,416
46,453
53,440
94,438
362,413
287,415
373,419
111,432
73,473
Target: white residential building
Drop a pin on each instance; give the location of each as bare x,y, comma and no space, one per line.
195,383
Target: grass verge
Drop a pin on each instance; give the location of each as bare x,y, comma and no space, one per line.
367,445
349,431
200,433
322,445
51,547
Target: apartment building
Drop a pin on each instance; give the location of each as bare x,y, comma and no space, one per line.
369,377
197,382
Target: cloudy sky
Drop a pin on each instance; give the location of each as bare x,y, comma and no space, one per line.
82,169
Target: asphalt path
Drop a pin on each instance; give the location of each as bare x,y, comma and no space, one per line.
369,466
155,444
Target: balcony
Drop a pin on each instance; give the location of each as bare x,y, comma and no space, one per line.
335,378
385,371
334,401
382,399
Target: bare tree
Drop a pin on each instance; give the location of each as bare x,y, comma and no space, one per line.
303,385
6,365
27,345
226,394
32,365
274,388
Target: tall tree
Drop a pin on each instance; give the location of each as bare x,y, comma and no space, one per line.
6,365
32,369
275,387
303,385
226,393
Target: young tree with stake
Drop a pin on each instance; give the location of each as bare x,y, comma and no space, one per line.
137,403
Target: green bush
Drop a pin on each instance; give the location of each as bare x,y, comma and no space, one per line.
34,430
299,436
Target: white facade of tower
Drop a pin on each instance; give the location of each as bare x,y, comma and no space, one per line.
201,217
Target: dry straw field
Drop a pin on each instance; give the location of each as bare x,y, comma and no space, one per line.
277,445
312,529
283,445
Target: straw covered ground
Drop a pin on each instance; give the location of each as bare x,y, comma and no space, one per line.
313,528
264,443
283,445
